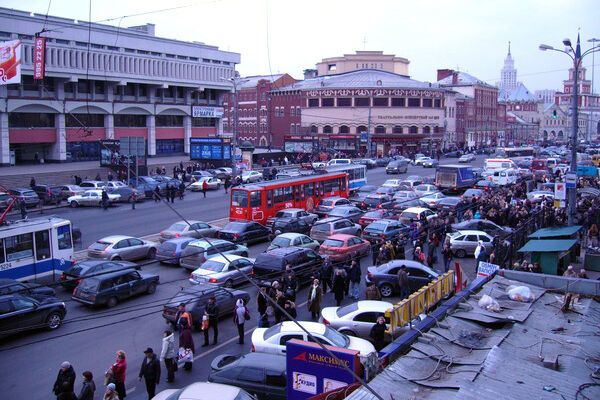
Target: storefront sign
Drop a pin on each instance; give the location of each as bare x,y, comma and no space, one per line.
39,57
417,117
571,180
207,112
10,62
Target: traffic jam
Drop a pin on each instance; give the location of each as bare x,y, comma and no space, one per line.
327,232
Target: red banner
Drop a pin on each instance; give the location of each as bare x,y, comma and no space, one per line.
39,57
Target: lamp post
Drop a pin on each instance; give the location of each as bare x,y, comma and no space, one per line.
593,41
577,57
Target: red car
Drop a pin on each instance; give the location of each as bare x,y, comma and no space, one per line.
371,216
341,247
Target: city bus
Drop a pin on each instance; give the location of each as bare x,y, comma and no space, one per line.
512,152
31,249
260,201
357,174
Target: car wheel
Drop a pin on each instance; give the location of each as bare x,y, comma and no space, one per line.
228,283
151,289
116,258
113,301
74,204
348,333
460,253
386,290
53,320
244,254
152,253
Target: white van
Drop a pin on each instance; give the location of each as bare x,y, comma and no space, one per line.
505,177
495,164
339,161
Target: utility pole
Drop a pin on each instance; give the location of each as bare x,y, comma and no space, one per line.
574,131
369,132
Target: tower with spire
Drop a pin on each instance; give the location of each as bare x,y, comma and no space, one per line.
508,75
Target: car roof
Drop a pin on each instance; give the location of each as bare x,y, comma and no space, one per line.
416,209
472,232
267,360
341,236
206,243
226,259
291,209
283,251
313,327
112,274
373,305
408,263
115,238
330,219
8,281
93,263
208,391
290,235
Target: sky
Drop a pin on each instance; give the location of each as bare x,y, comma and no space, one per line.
276,36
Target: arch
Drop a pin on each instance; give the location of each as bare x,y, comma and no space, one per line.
314,129
327,129
426,129
34,107
560,134
361,128
93,109
380,129
344,129
397,129
413,129
263,142
138,110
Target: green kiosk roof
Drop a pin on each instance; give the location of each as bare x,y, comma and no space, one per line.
548,246
547,233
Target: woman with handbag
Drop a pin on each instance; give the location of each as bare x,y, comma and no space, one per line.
186,345
118,372
240,316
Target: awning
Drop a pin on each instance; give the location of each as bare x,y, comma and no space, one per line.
548,246
547,233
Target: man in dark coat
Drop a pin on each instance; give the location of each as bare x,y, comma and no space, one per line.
150,370
104,199
403,282
212,309
66,374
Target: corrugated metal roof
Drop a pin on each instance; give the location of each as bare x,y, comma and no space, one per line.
521,94
547,246
252,81
555,232
462,79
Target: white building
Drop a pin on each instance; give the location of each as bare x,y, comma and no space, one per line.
508,75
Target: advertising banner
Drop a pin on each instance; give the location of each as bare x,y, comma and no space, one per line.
39,57
207,112
560,191
311,370
10,62
486,269
210,149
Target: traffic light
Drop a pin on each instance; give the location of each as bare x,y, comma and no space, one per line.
554,114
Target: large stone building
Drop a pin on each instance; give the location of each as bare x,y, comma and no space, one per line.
508,75
363,60
107,82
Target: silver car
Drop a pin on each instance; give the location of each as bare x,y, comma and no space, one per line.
119,247
405,195
330,226
226,271
91,198
356,319
293,239
198,251
349,212
424,189
464,243
195,229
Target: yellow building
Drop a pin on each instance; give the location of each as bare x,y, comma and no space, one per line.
363,60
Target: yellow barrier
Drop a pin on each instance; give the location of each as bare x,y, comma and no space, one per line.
420,301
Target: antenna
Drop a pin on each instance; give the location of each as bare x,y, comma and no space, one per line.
364,41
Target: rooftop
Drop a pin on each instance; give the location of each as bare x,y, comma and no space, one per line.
251,81
520,94
462,79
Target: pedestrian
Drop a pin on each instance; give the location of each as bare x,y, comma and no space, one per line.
173,192
66,374
375,254
88,388
212,310
280,300
447,256
262,304
378,333
104,200
150,371
314,299
181,190
98,177
118,372
570,272
111,392
339,285
354,278
227,183
240,316
582,274
32,182
204,188
480,254
23,209
181,314
186,345
403,282
372,292
290,308
156,194
290,283
168,355
431,256
110,176
326,272
418,255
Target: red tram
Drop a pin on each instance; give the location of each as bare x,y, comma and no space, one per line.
259,201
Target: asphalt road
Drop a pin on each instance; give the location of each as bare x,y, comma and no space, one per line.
89,337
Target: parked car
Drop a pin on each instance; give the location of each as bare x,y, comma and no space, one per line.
111,288
464,243
402,204
228,270
485,185
356,319
204,391
421,160
307,217
376,215
71,277
120,247
351,213
196,175
384,229
469,194
429,163
327,204
411,181
48,194
405,195
283,225
198,251
89,185
127,193
466,158
329,226
385,276
425,188
484,225
244,232
448,203
263,375
212,183
377,200
92,197
368,162
170,251
382,161
344,248
416,214
5,200
251,176
193,229
12,286
19,313
293,239
432,199
67,191
270,265
112,185
195,299
396,167
28,196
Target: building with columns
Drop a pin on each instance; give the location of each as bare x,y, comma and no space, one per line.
122,82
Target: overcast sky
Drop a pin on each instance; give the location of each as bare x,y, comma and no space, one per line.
290,36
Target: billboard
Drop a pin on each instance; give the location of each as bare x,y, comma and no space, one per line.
10,62
207,112
298,147
110,154
39,57
311,370
210,149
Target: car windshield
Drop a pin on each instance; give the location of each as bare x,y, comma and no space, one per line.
341,311
100,246
376,227
372,214
321,227
89,284
167,246
274,330
333,243
339,212
337,338
281,214
410,215
178,227
280,242
235,227
212,265
29,193
326,203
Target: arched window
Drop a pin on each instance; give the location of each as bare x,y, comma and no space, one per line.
397,129
426,129
344,129
361,128
327,129
437,129
380,129
413,129
313,129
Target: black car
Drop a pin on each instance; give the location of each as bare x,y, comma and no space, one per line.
385,276
195,299
111,288
448,203
382,161
19,313
484,225
384,229
378,200
71,277
260,374
368,162
270,265
284,225
11,286
396,167
48,194
244,232
128,193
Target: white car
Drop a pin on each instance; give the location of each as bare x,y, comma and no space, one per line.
563,168
273,339
228,270
466,158
421,160
393,183
212,182
91,198
538,195
204,391
464,243
432,198
355,319
251,176
293,239
318,164
424,189
111,185
339,161
414,214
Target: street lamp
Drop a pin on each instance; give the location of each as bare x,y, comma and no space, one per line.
577,57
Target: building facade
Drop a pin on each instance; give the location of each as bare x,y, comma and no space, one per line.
545,96
363,60
508,74
107,83
554,125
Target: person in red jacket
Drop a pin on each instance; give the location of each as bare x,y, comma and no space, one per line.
119,369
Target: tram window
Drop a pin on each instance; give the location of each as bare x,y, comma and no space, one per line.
299,192
42,245
254,199
279,195
239,198
288,193
320,188
19,246
343,184
309,189
64,237
1,250
269,199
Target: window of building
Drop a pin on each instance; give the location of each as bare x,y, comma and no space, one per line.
313,102
31,120
99,87
397,129
428,103
29,83
361,129
380,101
332,67
362,102
327,102
129,89
380,129
414,102
292,111
202,122
437,103
87,120
344,102
130,121
298,111
327,129
344,129
413,129
313,129
426,129
83,151
169,146
169,120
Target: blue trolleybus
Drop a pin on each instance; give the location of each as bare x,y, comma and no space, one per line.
357,174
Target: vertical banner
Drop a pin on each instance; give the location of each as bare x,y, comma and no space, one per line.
10,62
39,57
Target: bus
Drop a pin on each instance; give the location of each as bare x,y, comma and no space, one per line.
357,174
512,152
260,201
37,247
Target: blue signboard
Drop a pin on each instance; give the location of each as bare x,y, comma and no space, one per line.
210,149
226,152
587,170
312,371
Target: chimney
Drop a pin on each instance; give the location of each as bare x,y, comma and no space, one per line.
310,73
444,73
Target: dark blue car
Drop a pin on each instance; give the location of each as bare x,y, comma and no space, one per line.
169,252
384,229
